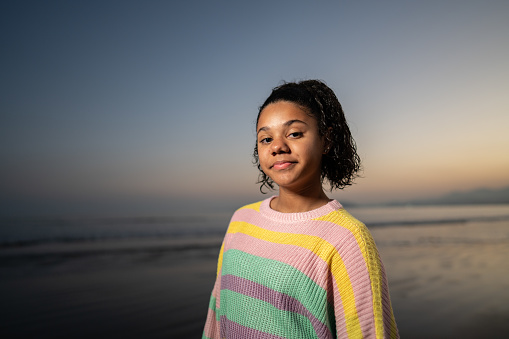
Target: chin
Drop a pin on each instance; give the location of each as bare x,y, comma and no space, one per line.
283,182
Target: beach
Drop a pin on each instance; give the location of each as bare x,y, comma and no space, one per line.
448,278
143,289
448,281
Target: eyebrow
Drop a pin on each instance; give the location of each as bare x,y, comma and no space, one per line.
288,123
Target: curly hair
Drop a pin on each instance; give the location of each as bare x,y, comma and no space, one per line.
341,163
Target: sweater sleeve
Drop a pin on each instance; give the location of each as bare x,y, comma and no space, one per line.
360,287
212,324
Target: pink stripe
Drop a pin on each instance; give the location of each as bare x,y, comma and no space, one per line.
211,329
230,329
348,249
216,291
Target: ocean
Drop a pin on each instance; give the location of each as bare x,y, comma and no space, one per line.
151,276
32,231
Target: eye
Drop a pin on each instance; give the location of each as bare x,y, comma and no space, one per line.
265,140
295,135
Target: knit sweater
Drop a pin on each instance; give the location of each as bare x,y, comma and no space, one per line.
314,274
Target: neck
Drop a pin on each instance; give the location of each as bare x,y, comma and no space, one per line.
294,202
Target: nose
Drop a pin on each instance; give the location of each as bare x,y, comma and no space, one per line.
279,146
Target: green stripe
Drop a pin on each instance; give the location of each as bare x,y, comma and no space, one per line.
262,316
212,303
280,277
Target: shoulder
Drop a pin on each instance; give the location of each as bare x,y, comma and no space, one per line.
254,206
342,218
348,229
247,212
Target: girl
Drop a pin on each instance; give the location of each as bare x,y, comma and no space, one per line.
297,265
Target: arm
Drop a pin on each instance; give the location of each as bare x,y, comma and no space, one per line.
212,328
360,287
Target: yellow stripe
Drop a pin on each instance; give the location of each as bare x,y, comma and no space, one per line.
220,261
365,241
255,206
322,249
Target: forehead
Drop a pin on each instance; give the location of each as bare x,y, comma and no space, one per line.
279,112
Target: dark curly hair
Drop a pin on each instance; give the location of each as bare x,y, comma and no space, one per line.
341,163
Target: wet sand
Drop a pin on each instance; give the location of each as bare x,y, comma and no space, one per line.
148,290
446,281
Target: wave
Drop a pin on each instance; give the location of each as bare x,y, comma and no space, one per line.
438,221
33,232
90,240
24,232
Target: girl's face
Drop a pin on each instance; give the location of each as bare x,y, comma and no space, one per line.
290,147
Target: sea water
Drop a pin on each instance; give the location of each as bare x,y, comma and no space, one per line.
33,231
151,276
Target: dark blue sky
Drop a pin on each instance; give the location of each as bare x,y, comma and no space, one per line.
149,106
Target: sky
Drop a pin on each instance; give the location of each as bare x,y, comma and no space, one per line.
149,107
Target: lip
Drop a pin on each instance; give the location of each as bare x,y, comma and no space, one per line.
281,165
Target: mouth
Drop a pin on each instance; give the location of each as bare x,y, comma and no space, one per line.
281,165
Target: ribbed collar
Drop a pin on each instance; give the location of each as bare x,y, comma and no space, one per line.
268,212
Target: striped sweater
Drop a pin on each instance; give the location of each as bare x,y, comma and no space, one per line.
314,274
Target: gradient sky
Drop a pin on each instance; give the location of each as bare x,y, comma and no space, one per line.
148,107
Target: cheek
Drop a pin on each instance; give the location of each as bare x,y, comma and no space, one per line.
313,150
262,159
314,155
